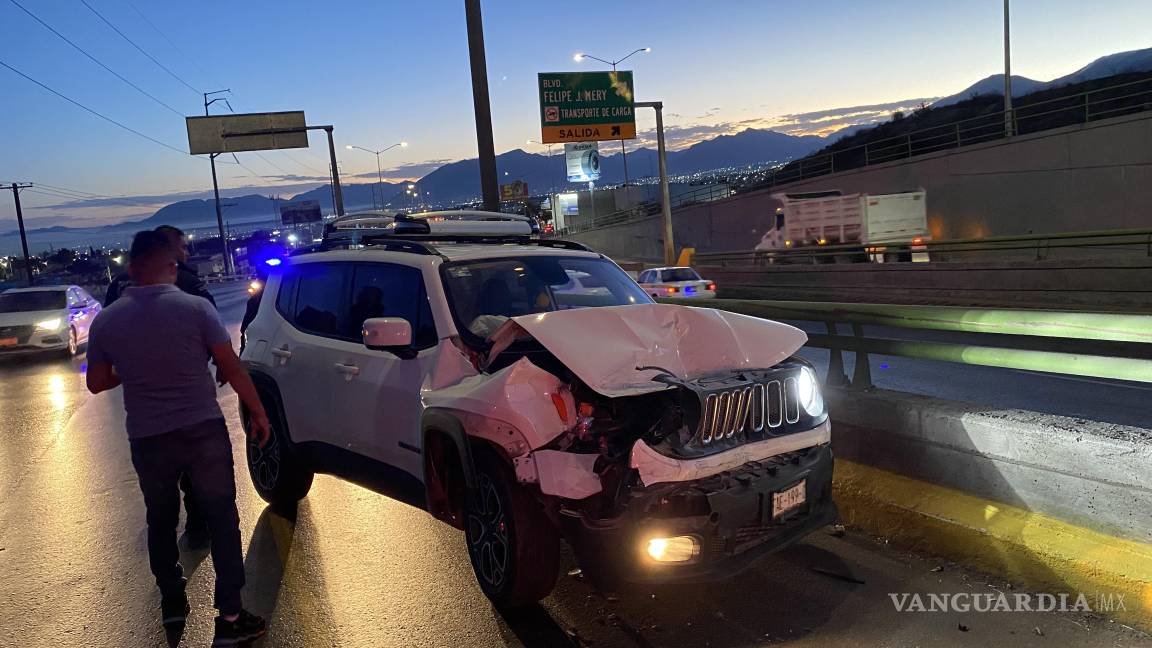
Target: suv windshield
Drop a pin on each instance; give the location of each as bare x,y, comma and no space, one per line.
485,293
680,274
37,300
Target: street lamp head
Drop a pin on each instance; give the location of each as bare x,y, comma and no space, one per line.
349,147
647,50
403,144
578,57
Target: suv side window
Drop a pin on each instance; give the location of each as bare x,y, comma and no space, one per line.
320,298
387,290
74,300
287,295
645,277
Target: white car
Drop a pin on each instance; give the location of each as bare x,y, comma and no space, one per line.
43,319
680,282
465,373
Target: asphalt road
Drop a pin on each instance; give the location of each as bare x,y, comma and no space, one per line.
353,568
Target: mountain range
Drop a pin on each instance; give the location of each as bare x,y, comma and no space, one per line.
1105,66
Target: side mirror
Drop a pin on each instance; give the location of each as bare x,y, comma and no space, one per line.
392,334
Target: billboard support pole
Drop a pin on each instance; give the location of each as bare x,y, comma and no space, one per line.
665,197
336,191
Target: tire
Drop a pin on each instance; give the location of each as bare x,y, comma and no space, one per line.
513,546
279,474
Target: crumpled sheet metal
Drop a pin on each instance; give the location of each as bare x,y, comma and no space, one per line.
605,346
656,468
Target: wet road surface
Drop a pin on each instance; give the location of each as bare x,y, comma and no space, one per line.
353,568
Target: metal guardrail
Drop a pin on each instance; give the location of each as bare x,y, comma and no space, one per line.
1042,244
1099,345
1091,105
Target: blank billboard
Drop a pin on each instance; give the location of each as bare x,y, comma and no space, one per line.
234,133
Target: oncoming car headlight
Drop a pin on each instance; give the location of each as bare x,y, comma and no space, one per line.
50,325
808,389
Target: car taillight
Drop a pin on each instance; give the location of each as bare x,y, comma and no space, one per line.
712,286
672,290
917,241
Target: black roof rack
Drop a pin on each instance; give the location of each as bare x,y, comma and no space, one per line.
389,240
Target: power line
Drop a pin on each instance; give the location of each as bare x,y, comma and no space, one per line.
100,115
75,191
140,49
93,58
166,38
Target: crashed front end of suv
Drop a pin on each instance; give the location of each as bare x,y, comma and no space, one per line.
665,443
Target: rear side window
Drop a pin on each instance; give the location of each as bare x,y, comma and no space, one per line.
287,294
385,290
319,305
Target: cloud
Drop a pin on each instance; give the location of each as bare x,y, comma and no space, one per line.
824,122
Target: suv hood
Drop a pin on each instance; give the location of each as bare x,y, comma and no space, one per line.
605,347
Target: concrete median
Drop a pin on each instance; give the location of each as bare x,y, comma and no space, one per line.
1049,502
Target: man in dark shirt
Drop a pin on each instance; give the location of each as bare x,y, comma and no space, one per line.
156,341
188,280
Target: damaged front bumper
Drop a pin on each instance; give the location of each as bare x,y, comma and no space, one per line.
730,516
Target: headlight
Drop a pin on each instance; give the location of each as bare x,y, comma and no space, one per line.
50,325
808,389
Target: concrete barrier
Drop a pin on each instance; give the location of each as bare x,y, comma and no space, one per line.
1052,503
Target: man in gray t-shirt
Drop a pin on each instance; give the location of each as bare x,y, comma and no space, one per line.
155,340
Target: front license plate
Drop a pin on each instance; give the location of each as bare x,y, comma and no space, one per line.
787,500
7,342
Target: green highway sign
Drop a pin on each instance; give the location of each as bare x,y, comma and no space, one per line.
586,106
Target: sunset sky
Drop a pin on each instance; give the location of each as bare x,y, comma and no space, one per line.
383,72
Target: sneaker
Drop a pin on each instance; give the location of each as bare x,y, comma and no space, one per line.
174,610
245,628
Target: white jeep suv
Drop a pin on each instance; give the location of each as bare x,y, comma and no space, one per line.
458,367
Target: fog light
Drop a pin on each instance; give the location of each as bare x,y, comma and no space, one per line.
676,549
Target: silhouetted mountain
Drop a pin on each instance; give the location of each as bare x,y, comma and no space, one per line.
1106,66
1111,65
993,85
460,181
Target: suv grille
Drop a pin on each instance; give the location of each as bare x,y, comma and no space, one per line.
759,407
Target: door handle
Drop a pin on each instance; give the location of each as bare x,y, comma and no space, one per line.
349,370
283,353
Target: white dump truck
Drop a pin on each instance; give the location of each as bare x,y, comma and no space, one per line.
887,227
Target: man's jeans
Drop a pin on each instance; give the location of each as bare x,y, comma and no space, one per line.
203,453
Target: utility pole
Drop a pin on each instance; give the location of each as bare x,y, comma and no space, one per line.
16,187
483,108
666,199
1008,129
228,268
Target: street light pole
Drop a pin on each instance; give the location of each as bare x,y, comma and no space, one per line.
486,148
665,195
581,56
1007,73
379,172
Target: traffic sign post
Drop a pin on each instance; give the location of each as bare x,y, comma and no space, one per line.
586,106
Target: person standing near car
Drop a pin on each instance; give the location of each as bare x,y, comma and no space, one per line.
188,280
155,341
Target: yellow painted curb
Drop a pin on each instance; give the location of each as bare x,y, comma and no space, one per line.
1035,550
